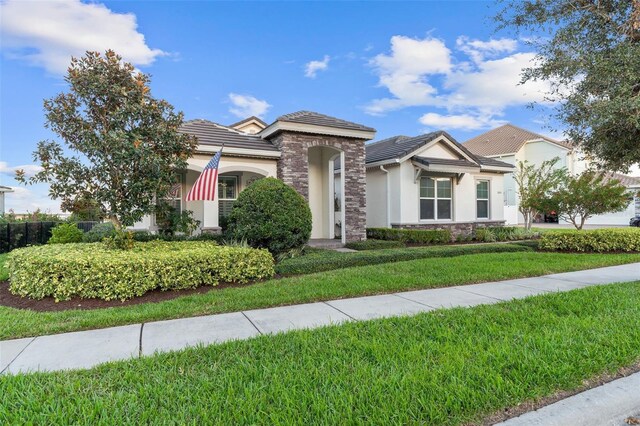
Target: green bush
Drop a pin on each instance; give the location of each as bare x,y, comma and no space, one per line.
484,235
270,214
327,260
411,236
374,244
66,233
598,240
99,232
511,233
94,271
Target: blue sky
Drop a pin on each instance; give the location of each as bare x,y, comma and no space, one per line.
402,68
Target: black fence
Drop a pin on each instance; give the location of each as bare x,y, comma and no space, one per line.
21,234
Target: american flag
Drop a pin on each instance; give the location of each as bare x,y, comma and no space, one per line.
206,184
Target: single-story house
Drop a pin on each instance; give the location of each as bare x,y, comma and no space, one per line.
432,182
510,144
428,181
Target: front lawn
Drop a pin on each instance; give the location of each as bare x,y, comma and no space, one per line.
341,283
446,367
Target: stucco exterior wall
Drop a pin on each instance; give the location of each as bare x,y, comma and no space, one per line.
377,198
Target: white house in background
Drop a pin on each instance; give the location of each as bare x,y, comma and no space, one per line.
511,144
3,190
432,182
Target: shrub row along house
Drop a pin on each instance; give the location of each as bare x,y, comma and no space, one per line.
510,144
428,181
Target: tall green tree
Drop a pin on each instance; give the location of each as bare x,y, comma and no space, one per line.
589,50
585,195
121,146
535,185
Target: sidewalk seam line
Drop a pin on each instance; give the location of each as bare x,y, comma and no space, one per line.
414,301
251,322
19,353
140,341
342,312
484,295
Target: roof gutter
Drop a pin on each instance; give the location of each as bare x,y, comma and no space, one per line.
388,194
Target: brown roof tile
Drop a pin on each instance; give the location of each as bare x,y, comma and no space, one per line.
506,139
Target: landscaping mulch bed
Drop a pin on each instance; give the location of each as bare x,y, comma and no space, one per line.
49,303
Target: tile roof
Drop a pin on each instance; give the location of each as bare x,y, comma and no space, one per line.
506,139
623,179
397,147
210,133
246,120
314,118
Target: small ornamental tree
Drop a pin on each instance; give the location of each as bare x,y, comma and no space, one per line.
270,214
588,194
535,185
121,146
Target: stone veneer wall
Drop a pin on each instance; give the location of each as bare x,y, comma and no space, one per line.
293,169
456,228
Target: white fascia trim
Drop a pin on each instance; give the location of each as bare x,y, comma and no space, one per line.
377,164
441,168
243,152
312,128
497,169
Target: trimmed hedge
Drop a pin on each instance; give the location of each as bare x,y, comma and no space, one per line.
327,260
93,271
597,240
411,236
374,244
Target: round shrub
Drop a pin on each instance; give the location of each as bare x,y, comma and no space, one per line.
66,233
99,232
270,214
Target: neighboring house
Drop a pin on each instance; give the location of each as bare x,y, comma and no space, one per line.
511,144
432,182
3,190
301,149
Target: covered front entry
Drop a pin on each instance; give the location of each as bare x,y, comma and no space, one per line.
326,198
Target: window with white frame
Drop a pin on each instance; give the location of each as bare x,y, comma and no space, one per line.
435,198
482,199
227,194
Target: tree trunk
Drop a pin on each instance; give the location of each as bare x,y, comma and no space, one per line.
116,222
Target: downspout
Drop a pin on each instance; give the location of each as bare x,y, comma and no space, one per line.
388,194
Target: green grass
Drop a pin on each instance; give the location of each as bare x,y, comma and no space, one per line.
318,260
348,282
446,367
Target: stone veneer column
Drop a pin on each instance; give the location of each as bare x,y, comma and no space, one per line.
293,169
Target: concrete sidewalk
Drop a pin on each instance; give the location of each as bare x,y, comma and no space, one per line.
609,404
85,349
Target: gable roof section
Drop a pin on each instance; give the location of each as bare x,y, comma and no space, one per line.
247,120
210,133
628,181
317,119
395,148
507,139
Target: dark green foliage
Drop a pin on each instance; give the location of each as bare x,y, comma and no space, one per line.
121,146
327,260
66,233
99,232
372,244
411,236
270,214
590,53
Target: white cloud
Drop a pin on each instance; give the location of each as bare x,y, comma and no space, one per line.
312,68
473,90
29,169
24,200
48,33
461,121
404,72
245,106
